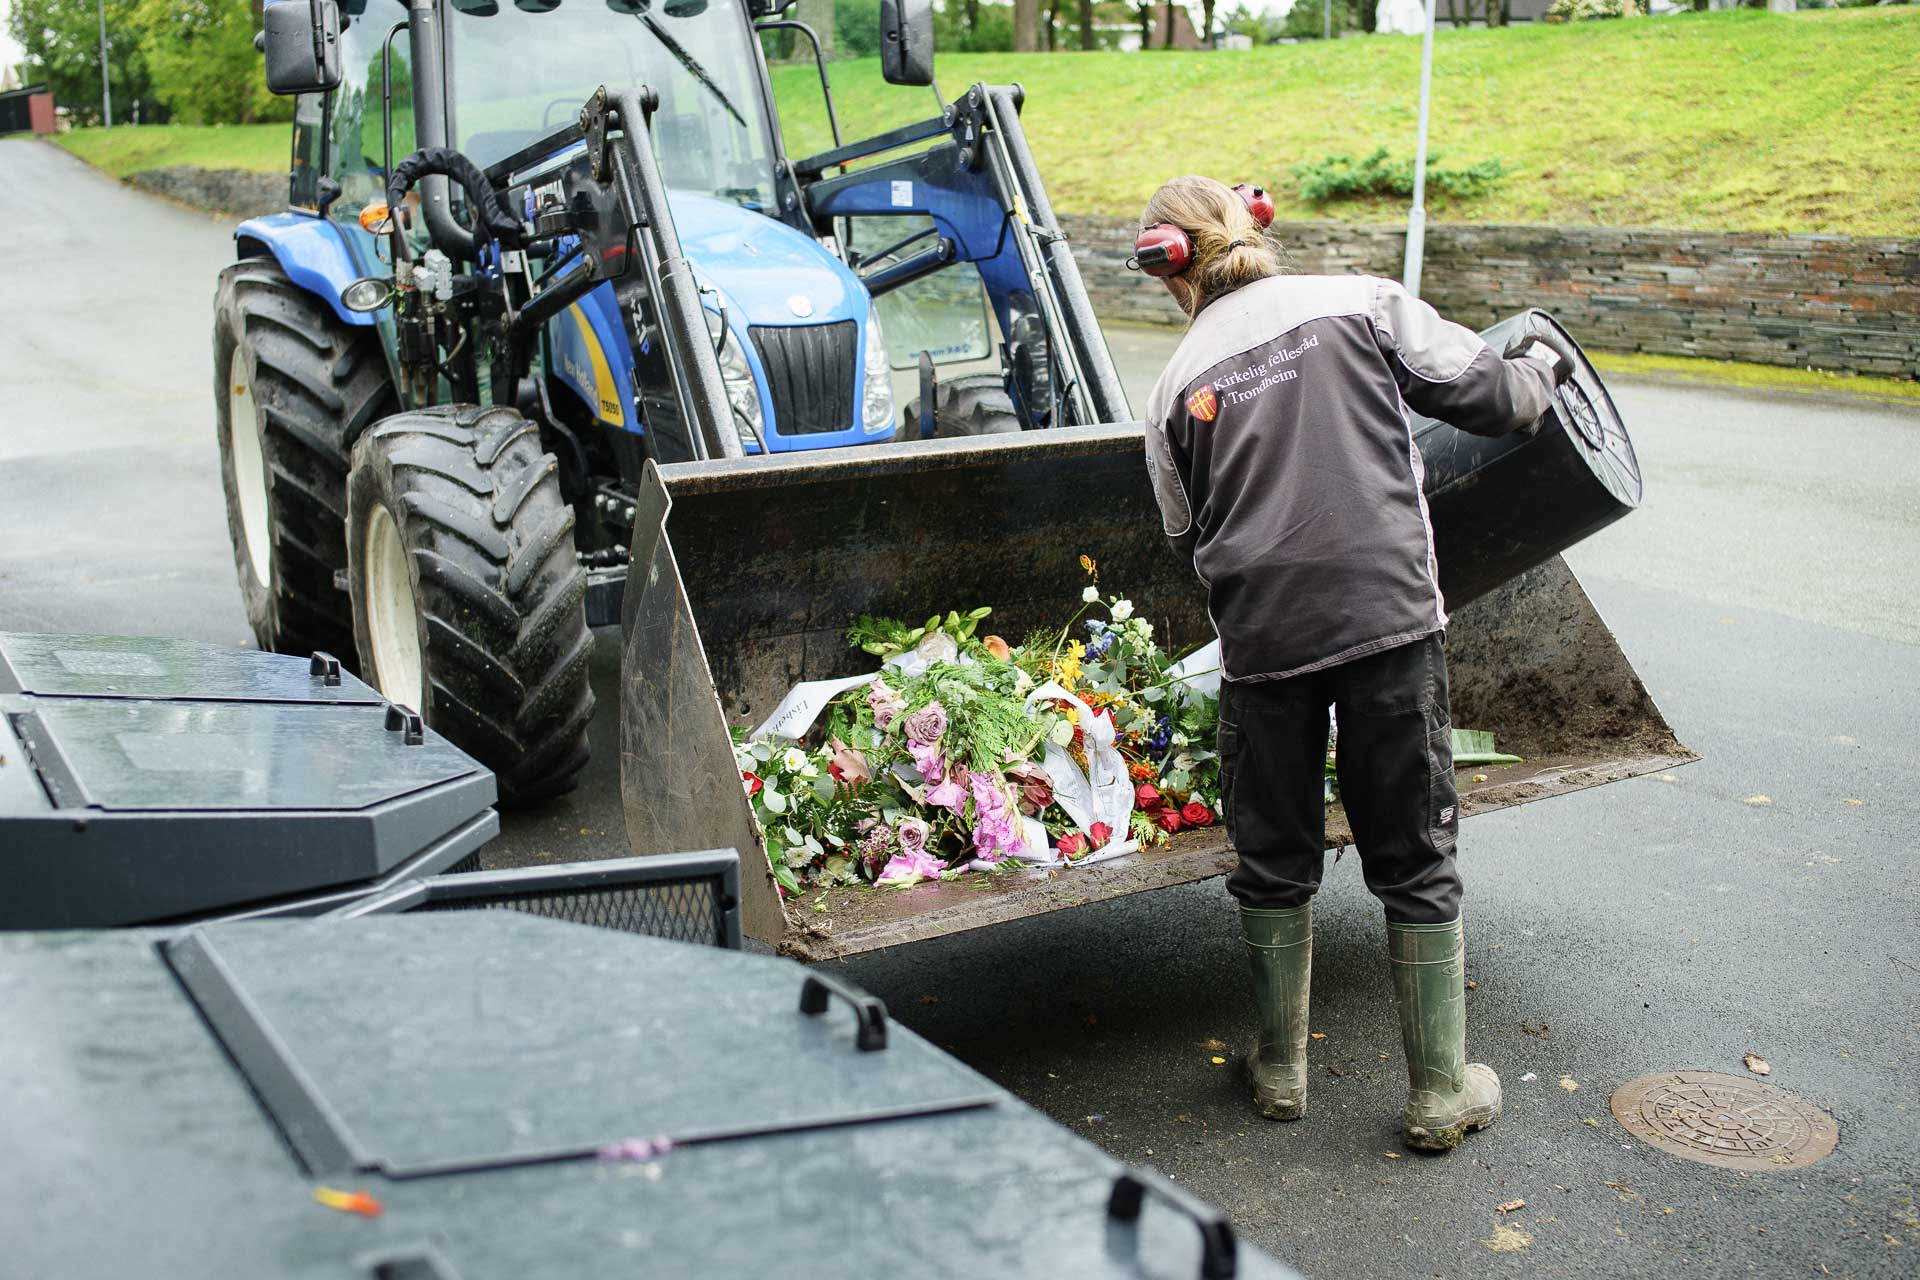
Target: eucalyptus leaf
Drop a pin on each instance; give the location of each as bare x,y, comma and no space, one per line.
775,802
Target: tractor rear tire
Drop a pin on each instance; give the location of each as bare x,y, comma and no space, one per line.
469,602
292,386
974,404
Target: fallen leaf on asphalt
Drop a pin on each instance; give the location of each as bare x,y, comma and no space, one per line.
1391,1155
1219,1045
1667,777
1759,800
1510,1206
929,999
1590,1122
1334,1071
1472,985
1569,1083
1540,1030
1218,1061
1853,802
1506,1239
1529,1076
1757,1064
1316,1035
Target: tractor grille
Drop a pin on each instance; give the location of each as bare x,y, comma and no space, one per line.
809,374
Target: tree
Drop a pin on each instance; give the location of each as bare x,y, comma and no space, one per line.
1026,14
1086,24
202,63
62,43
1206,28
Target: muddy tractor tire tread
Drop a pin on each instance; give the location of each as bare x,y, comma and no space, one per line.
974,404
499,591
316,383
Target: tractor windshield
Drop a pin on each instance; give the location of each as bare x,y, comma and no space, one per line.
518,74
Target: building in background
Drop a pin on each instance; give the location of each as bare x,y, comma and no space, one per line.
26,110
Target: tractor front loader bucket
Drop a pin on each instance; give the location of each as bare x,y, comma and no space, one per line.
745,575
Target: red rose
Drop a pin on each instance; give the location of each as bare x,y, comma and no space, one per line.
753,783
1072,845
1197,814
1100,833
1168,818
1146,796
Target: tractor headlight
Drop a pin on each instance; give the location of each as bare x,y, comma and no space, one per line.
742,395
876,408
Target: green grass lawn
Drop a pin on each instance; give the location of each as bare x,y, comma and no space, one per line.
125,149
1741,120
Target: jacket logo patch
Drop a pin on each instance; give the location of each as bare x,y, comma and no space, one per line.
1203,404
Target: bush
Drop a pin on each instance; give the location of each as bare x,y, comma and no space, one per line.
201,58
856,28
1586,10
1342,178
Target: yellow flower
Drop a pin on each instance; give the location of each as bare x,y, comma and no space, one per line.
1067,669
1088,563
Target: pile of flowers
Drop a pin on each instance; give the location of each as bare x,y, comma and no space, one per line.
934,767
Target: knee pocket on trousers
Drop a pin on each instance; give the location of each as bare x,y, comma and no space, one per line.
1443,800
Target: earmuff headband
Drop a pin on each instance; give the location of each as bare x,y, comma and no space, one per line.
1166,250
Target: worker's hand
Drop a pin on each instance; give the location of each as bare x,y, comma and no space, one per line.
1550,348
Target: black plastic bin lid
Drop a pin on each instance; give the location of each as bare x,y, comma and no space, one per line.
411,1046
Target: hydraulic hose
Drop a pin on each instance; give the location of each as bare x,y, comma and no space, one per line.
489,214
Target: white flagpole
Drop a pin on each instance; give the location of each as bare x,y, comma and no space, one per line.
1417,216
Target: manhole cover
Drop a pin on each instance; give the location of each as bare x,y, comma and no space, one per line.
1724,1120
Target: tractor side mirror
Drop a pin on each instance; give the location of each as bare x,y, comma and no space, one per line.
906,41
302,44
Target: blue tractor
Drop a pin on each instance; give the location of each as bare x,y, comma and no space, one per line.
539,250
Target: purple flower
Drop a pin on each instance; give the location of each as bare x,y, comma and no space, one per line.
928,760
913,833
886,704
996,826
927,724
951,794
911,868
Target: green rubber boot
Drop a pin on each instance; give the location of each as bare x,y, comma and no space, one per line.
1280,947
1447,1095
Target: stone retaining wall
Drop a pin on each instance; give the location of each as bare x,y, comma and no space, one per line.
236,193
1829,302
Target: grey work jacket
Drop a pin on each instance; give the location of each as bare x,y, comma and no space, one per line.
1284,464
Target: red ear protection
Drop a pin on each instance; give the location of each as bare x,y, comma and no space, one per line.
1162,250
1259,204
1165,250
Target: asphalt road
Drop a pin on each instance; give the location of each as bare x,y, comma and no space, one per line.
1762,900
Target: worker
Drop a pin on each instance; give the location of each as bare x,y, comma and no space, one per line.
1285,469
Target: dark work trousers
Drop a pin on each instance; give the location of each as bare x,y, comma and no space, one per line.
1395,766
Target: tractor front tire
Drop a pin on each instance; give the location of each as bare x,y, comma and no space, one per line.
469,603
292,386
974,404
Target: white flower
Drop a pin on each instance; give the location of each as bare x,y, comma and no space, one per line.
1183,762
1061,733
1091,595
1122,610
1181,740
793,760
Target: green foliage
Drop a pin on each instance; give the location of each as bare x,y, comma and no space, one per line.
1341,177
884,637
1586,10
62,43
991,30
202,62
856,28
